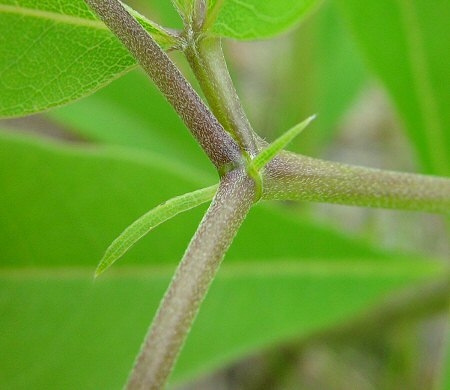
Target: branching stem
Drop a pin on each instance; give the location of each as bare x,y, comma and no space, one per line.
191,281
220,147
231,144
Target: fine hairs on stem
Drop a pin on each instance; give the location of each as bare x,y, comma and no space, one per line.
192,279
221,149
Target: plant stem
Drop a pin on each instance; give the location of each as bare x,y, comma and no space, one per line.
192,279
295,177
217,143
206,58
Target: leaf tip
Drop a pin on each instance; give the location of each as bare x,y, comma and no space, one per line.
311,118
101,267
276,146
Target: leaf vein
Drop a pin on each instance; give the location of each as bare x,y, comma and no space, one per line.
54,16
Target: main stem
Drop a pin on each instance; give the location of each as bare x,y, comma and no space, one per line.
191,281
220,147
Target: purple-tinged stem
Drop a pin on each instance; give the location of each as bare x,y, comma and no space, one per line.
222,150
295,177
192,279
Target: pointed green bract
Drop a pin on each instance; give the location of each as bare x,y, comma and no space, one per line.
254,19
266,155
55,52
149,221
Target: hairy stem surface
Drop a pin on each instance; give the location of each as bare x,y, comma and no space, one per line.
295,177
220,147
192,280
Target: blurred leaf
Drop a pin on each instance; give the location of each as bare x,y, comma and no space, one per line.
112,186
405,43
60,206
55,52
340,72
318,69
74,345
254,19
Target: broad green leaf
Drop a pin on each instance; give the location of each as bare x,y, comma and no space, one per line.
130,183
405,44
151,219
52,53
255,19
62,331
61,205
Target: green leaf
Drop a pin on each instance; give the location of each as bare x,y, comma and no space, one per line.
246,309
149,221
61,205
340,73
412,58
55,52
113,186
254,19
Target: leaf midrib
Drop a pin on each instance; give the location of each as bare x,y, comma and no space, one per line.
54,16
257,269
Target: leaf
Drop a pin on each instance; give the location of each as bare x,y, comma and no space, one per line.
61,205
341,74
254,19
55,52
268,153
246,309
114,186
412,59
150,220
